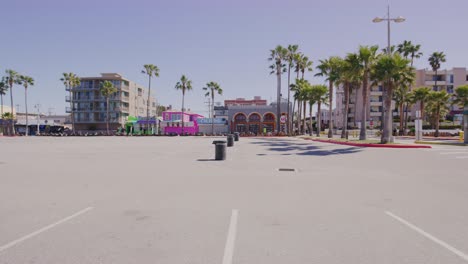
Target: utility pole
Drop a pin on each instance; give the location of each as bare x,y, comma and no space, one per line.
37,106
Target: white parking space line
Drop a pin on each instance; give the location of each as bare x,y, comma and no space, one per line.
429,236
231,238
35,233
451,153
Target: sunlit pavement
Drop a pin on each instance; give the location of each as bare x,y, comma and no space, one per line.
164,200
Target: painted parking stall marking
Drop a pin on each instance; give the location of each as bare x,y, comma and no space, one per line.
44,229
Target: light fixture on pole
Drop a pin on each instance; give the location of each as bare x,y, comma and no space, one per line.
399,19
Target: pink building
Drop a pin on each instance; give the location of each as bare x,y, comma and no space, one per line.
172,122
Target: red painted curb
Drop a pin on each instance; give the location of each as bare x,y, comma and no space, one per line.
369,145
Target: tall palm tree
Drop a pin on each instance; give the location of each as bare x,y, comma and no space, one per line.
329,68
12,78
350,76
184,85
307,97
438,103
400,95
421,95
297,68
408,49
367,57
292,52
278,56
3,90
212,88
26,81
390,69
461,99
320,94
297,88
303,65
107,89
435,60
409,102
152,71
70,81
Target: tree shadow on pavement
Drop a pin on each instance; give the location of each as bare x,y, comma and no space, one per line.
303,149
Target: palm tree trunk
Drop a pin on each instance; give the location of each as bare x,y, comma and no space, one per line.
304,121
289,95
212,112
1,114
346,109
107,116
437,88
26,108
72,117
437,123
421,108
330,114
406,119
310,119
148,105
388,127
319,118
182,119
292,116
402,116
365,89
299,116
278,95
13,132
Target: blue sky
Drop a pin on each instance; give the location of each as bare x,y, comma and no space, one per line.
208,40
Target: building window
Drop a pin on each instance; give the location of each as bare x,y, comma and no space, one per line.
451,78
450,89
140,92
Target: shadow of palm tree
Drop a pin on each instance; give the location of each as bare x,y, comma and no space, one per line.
303,149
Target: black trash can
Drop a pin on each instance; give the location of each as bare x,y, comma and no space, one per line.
220,149
230,140
236,136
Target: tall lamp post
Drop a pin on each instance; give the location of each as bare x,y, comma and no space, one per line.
399,19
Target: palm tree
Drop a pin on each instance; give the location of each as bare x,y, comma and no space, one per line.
390,69
71,80
367,58
278,56
3,89
152,71
329,68
307,96
12,78
320,94
184,85
212,88
305,65
438,103
461,99
435,60
421,95
400,95
350,73
292,52
107,90
407,49
26,81
409,102
297,88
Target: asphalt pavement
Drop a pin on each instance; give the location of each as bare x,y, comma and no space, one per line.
112,200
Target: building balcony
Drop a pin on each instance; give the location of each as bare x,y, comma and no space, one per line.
67,99
376,93
432,83
125,88
375,103
375,113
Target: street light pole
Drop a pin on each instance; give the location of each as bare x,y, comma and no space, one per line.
398,19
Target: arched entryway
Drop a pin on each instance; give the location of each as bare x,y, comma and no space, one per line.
255,123
240,123
268,122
